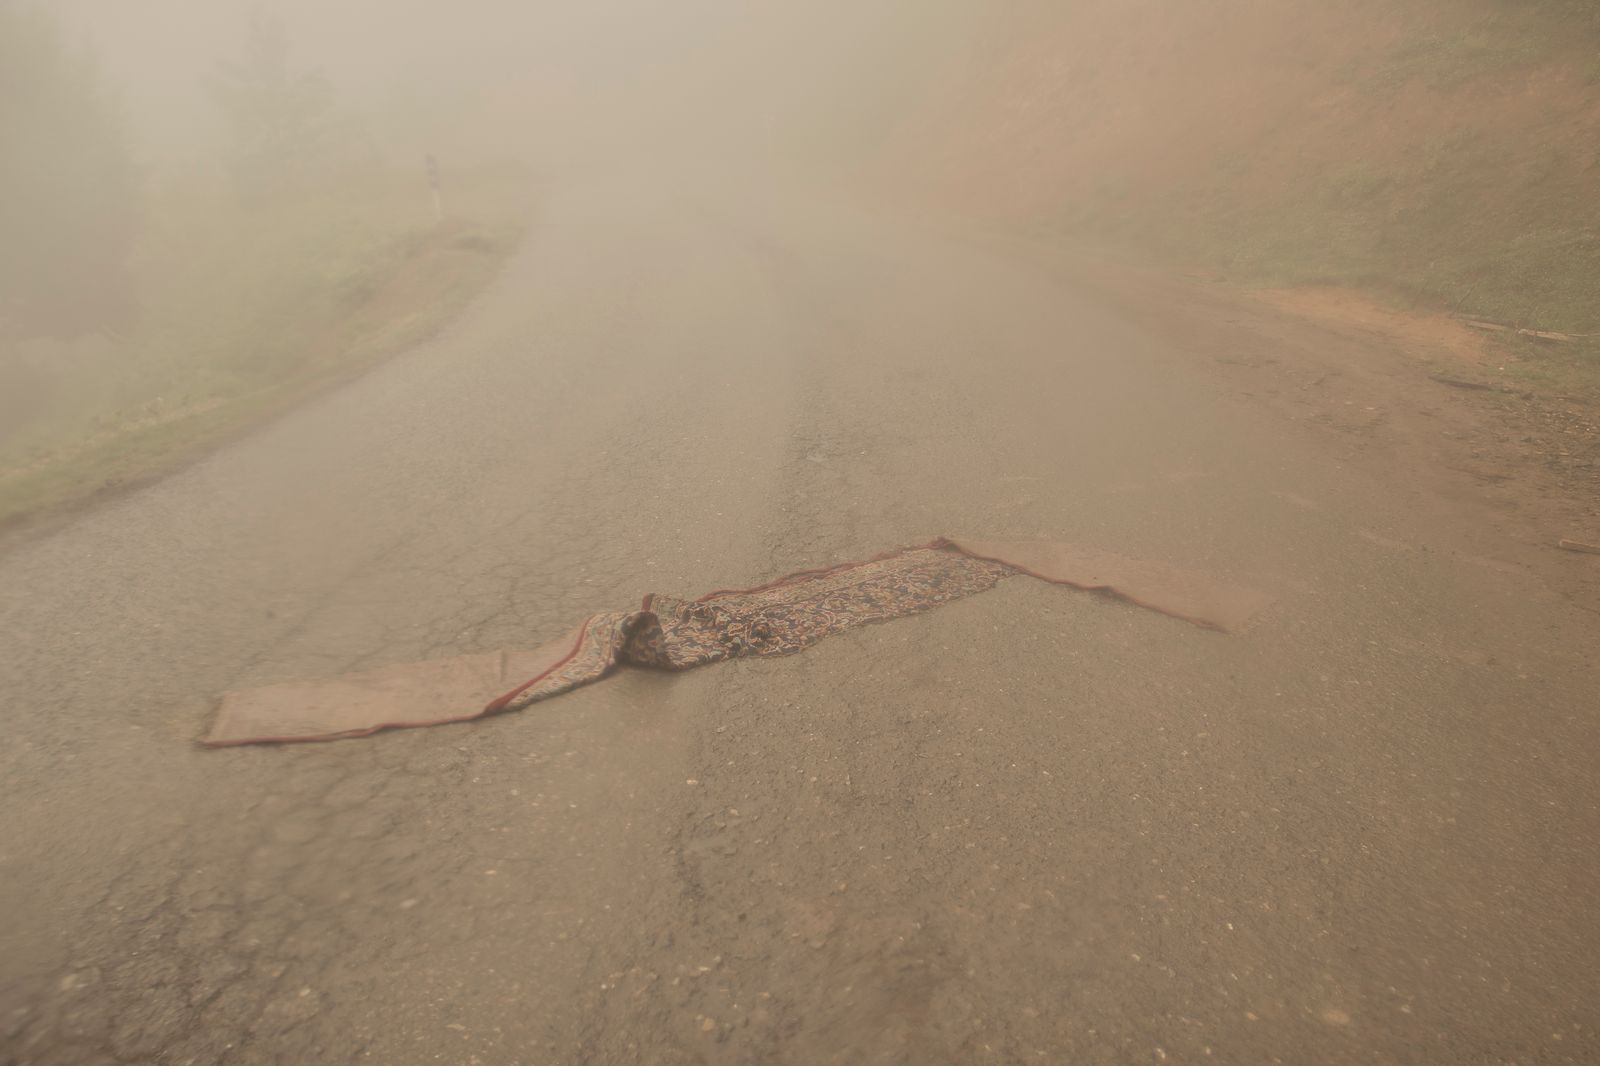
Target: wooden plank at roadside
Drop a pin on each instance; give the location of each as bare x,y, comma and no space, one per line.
1536,334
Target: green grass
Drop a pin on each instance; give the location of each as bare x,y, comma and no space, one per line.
243,313
1438,233
1471,216
1570,370
1449,61
1460,226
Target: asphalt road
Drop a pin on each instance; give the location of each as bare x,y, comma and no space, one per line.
1032,826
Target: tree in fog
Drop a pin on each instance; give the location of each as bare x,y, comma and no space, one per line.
278,121
69,190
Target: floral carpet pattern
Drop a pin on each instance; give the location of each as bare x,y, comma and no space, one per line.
667,633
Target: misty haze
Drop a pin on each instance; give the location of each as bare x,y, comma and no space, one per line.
801,532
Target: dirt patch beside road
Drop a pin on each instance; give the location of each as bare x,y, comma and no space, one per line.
1443,150
1503,436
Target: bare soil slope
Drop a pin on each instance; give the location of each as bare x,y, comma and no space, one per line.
1444,151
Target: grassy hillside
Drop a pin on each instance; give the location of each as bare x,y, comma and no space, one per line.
1446,153
155,300
241,311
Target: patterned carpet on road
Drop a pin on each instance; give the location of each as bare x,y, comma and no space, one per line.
673,634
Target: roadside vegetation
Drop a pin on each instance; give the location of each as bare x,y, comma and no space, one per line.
149,308
1440,155
1484,208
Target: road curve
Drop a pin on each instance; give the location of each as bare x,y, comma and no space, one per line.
1032,826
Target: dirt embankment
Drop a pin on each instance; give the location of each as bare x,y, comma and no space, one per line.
1448,152
1363,178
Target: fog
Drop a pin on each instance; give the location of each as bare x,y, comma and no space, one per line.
554,81
799,532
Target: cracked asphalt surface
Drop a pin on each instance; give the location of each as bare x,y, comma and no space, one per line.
1032,826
